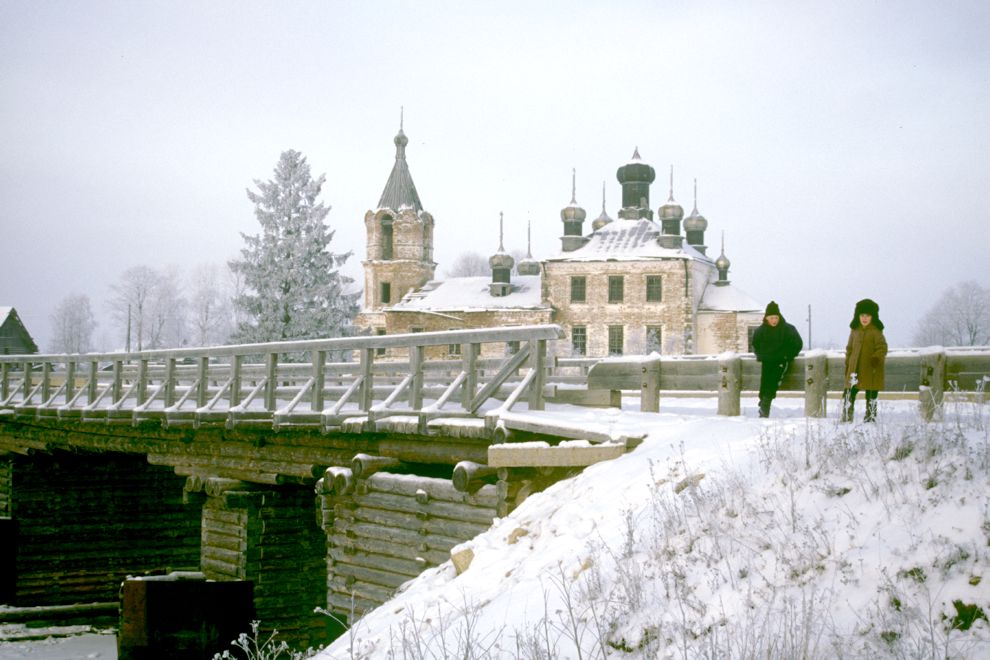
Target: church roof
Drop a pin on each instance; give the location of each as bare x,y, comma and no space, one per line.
727,298
400,191
468,294
627,240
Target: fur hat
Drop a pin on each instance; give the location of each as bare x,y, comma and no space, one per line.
772,310
866,306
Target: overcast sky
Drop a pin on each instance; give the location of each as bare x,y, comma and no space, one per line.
841,146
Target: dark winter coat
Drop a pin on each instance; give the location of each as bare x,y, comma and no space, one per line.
866,351
777,345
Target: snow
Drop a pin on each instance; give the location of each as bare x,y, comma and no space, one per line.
471,294
725,537
727,298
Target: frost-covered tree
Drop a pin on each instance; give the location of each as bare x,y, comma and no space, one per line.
469,264
130,302
293,285
168,312
72,325
960,317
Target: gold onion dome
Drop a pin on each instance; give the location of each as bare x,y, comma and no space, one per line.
695,222
671,210
603,219
572,212
501,259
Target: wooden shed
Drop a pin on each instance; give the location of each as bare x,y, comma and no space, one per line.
14,337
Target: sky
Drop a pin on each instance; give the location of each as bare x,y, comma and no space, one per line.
723,537
841,147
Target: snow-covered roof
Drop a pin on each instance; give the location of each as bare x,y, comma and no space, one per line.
471,294
727,298
627,240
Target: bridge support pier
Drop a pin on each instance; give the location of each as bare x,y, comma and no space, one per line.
87,520
269,536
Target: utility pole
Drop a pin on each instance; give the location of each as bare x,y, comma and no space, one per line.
128,347
809,326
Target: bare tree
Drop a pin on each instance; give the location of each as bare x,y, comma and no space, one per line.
469,264
209,306
167,312
72,325
131,300
960,317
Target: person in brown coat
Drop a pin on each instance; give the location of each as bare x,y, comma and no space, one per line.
865,355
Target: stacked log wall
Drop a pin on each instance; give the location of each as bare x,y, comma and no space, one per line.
6,461
388,528
268,535
87,521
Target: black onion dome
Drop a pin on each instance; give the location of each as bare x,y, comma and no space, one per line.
636,171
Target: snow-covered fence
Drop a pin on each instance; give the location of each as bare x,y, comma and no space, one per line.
283,383
929,372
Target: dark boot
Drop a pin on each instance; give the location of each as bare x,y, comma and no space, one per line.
848,402
765,407
871,410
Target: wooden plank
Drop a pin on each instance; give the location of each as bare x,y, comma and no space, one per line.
516,455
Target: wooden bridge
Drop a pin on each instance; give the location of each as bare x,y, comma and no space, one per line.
205,461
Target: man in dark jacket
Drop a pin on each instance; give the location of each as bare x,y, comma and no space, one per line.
776,342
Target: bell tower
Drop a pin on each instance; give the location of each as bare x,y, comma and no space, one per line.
399,242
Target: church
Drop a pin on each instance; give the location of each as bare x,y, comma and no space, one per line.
631,285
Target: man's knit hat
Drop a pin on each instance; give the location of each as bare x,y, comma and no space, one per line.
772,309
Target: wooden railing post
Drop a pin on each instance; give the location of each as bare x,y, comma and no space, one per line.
271,383
932,390
367,394
815,384
70,380
169,382
142,381
469,363
92,390
202,392
730,385
118,381
28,378
46,381
235,379
416,354
538,364
319,380
4,381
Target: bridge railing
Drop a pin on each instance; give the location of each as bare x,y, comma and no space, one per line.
929,372
286,383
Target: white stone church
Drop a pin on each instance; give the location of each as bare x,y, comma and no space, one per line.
630,285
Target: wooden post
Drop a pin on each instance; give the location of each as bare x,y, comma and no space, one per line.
538,364
46,381
70,380
730,385
271,383
469,476
4,381
649,396
118,381
235,380
202,374
815,385
28,378
319,379
94,376
367,395
932,389
169,382
469,362
416,371
142,382
364,465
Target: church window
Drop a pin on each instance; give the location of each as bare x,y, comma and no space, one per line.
615,339
654,291
454,349
616,288
578,283
512,347
653,339
749,340
386,238
579,340
386,293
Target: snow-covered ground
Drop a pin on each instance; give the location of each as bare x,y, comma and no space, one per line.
726,538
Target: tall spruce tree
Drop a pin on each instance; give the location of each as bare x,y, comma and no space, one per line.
293,285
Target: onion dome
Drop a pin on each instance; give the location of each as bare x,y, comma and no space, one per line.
722,265
671,212
501,259
603,219
501,264
695,225
572,213
528,265
635,177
